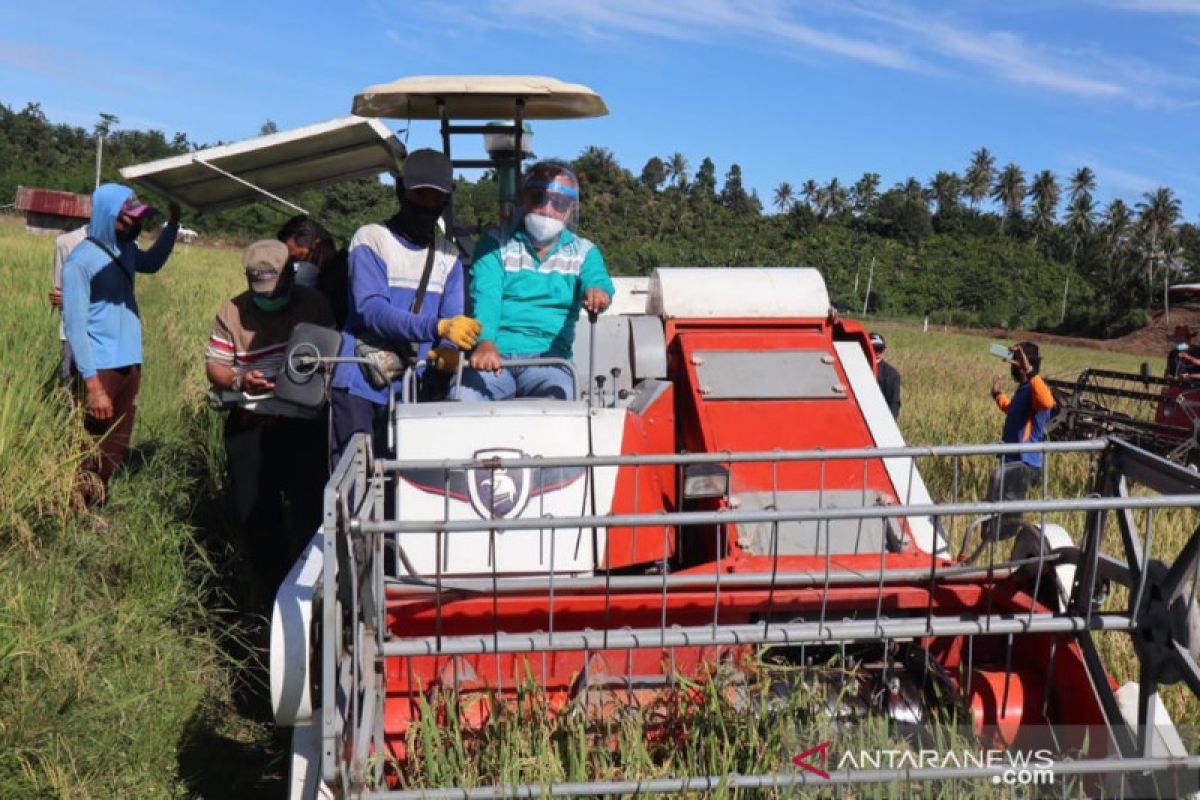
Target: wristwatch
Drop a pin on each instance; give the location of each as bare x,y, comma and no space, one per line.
236,386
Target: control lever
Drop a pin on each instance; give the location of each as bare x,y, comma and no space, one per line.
616,374
600,388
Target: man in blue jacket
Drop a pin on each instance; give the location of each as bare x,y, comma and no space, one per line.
100,317
406,293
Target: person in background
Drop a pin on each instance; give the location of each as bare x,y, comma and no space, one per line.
888,376
405,296
271,459
528,286
1184,359
1025,416
103,328
319,263
63,245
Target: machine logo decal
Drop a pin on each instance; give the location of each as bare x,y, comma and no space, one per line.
499,492
496,492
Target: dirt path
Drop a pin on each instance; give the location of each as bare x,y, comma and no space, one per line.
1154,339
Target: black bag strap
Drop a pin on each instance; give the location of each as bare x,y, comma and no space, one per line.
115,257
419,297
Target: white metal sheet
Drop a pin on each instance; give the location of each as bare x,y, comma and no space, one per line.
478,97
287,161
906,479
561,430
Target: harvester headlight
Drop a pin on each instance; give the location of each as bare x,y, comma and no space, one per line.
705,480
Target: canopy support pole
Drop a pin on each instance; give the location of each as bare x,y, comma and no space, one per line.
248,184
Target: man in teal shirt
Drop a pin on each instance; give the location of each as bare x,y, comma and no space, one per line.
528,288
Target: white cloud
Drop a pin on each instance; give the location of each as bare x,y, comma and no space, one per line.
1157,6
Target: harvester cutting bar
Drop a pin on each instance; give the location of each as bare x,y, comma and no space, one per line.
506,586
766,633
686,518
1163,767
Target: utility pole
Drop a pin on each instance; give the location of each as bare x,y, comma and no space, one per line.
870,278
1066,288
99,154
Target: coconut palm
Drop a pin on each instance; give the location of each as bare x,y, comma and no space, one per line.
1117,226
945,188
837,198
811,192
784,196
1010,191
1082,182
1045,194
1081,219
677,170
914,191
1158,213
977,182
865,192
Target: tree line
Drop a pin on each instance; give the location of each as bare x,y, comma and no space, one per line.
990,245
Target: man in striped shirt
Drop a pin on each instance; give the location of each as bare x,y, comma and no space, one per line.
270,458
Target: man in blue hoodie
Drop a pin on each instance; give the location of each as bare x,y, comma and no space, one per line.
100,316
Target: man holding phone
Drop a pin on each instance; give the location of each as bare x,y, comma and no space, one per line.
1025,416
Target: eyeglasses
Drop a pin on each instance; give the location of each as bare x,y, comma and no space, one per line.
557,202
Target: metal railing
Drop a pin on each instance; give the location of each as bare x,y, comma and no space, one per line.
357,588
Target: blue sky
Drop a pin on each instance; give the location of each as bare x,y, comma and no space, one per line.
790,90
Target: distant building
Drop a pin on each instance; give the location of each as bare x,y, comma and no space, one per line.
51,211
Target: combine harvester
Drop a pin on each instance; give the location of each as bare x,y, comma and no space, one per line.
730,482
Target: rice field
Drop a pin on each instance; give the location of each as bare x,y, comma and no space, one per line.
127,648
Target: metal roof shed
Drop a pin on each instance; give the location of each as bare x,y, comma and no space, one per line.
311,156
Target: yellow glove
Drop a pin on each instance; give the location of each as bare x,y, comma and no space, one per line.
444,358
461,331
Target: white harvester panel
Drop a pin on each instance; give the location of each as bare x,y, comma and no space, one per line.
738,292
514,429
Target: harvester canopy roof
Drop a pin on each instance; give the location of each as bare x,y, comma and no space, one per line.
231,175
478,97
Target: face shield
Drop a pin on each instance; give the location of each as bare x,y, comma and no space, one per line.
549,201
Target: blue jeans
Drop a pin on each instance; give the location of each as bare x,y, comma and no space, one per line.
544,381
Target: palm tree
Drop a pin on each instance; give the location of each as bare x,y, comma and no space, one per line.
1045,193
1117,225
783,196
914,191
1118,221
865,192
837,198
677,169
811,194
1081,219
1082,182
1010,191
945,188
1158,212
979,176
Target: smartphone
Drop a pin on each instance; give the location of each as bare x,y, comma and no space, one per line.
1000,351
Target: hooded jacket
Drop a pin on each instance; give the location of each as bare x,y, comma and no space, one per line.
100,313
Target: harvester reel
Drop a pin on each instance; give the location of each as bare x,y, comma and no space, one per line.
1169,627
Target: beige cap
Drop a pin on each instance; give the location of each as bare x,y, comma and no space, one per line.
265,262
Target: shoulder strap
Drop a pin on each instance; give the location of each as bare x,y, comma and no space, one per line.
419,297
115,257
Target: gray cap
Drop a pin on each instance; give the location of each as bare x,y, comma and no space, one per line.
264,262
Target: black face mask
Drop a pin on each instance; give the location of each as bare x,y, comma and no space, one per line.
130,233
417,223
